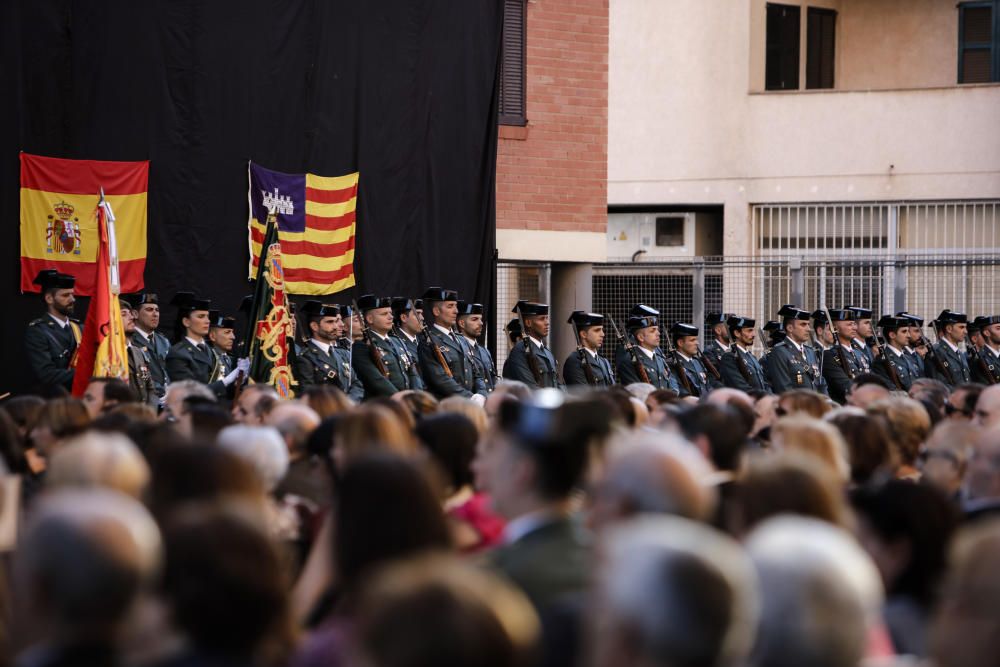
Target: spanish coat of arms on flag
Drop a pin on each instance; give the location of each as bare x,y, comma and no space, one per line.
316,224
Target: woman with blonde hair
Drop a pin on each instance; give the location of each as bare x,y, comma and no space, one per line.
102,460
463,406
367,428
808,401
909,425
820,439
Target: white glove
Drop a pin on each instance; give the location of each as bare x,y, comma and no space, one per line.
243,365
479,399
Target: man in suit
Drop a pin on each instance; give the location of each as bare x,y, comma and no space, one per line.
190,358
408,322
585,366
793,364
642,360
987,369
380,360
51,340
864,339
530,465
685,341
840,363
153,344
471,325
892,365
530,361
740,369
950,366
444,364
321,361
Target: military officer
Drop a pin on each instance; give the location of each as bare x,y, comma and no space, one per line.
793,364
470,325
915,349
320,361
514,334
585,366
444,364
190,358
987,369
771,334
840,363
720,342
408,321
153,344
139,378
740,369
51,340
864,340
822,331
380,360
892,364
685,342
530,361
948,363
222,337
643,360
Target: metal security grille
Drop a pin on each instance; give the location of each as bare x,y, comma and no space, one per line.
516,281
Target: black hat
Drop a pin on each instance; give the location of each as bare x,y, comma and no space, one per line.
793,313
529,308
345,311
124,304
680,329
738,322
582,318
949,317
772,326
914,320
246,303
642,310
220,321
636,323
315,310
439,294
187,302
820,318
891,323
987,320
713,319
52,279
146,297
844,315
787,310
368,302
401,304
514,327
470,308
859,312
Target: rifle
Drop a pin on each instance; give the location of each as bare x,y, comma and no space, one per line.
437,350
529,351
936,360
889,366
630,348
588,370
709,366
373,350
679,369
978,358
841,357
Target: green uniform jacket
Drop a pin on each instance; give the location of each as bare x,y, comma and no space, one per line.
187,362
838,379
156,348
402,374
484,362
139,377
696,374
744,372
991,373
315,367
790,369
465,379
50,348
518,368
902,366
574,374
656,368
413,352
955,367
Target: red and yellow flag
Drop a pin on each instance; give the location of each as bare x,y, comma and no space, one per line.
59,226
102,351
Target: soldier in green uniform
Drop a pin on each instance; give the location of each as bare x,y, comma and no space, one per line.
408,322
51,340
793,364
950,366
685,344
471,325
840,363
153,344
380,360
531,361
864,340
740,369
986,370
222,337
915,351
585,366
321,361
646,363
139,378
892,364
444,363
715,324
190,358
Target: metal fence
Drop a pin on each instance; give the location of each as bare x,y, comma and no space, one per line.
516,280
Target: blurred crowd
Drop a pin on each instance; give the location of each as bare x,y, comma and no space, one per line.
619,527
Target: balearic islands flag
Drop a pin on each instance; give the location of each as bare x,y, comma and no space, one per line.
59,225
316,219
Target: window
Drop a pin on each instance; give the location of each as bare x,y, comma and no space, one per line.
978,50
670,232
821,37
512,64
782,49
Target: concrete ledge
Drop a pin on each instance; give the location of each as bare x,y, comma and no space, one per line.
549,246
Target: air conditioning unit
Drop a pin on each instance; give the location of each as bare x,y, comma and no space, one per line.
649,236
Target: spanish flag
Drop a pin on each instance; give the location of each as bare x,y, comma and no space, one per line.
58,222
102,351
316,218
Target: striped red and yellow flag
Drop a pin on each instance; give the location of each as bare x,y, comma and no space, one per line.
59,218
316,225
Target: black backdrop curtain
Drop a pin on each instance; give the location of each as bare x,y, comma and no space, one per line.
404,91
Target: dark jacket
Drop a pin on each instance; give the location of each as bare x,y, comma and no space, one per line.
696,374
139,377
50,349
574,373
484,362
187,362
741,370
988,370
660,375
839,370
464,379
954,368
899,363
156,348
790,369
401,372
413,352
518,366
315,367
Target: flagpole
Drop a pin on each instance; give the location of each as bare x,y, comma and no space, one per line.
109,220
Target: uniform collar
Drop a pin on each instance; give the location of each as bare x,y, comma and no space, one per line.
590,352
898,353
996,353
537,342
722,346
375,333
798,346
412,339
446,332
954,348
648,353
324,347
470,341
193,341
62,323
684,356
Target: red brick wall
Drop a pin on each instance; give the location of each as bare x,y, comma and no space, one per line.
552,175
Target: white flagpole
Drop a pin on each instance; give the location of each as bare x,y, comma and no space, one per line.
109,220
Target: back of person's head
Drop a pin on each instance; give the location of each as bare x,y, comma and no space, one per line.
208,418
199,472
326,400
225,581
787,483
909,425
804,434
719,428
465,407
653,473
420,403
181,389
386,509
294,421
812,403
963,400
868,448
260,446
63,417
105,460
820,592
673,592
864,393
964,633
11,446
23,410
85,556
370,427
403,415
437,611
912,519
451,439
117,392
945,457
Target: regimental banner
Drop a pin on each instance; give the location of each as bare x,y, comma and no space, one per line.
59,218
316,226
271,352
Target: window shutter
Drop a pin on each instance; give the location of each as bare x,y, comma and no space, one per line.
512,65
782,50
821,38
976,50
